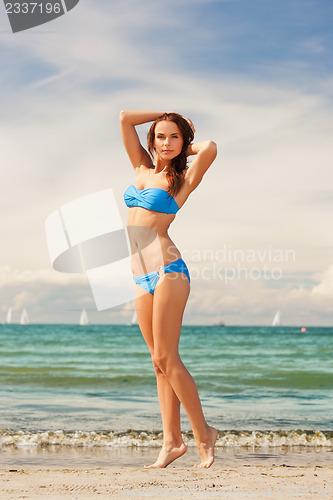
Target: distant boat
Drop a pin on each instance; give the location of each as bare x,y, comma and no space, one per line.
84,318
134,320
219,322
277,319
24,318
9,316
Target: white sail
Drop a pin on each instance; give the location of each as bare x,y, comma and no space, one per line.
84,318
24,318
134,320
9,316
277,319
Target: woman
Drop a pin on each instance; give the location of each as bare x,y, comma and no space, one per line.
161,276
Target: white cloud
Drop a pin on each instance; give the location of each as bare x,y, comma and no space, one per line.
56,297
249,301
325,287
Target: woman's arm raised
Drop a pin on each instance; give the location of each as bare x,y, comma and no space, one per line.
128,120
205,152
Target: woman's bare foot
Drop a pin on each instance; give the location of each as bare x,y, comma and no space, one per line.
206,449
166,456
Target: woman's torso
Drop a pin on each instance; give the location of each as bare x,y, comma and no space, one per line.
151,245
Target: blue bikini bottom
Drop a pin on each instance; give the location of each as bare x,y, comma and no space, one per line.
149,281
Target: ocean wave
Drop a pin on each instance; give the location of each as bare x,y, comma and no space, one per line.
154,439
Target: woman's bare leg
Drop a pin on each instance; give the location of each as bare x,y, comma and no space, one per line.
169,303
173,445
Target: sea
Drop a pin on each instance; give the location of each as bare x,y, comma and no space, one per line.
87,394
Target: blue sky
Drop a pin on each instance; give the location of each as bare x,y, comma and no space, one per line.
255,76
245,38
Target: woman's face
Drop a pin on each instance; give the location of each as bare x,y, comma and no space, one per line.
168,140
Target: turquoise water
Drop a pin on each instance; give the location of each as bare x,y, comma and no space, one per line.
91,385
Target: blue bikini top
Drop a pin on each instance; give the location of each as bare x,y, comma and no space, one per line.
155,199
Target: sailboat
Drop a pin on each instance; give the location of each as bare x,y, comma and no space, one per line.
277,319
84,318
24,318
9,316
134,320
219,322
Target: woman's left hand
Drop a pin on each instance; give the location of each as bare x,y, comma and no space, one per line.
190,123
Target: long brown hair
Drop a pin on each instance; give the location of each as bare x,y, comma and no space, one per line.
175,173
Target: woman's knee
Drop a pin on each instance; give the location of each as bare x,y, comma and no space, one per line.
164,362
157,369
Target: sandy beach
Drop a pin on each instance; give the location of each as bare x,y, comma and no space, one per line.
246,481
121,475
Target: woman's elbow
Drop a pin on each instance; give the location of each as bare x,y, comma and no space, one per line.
123,115
212,148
